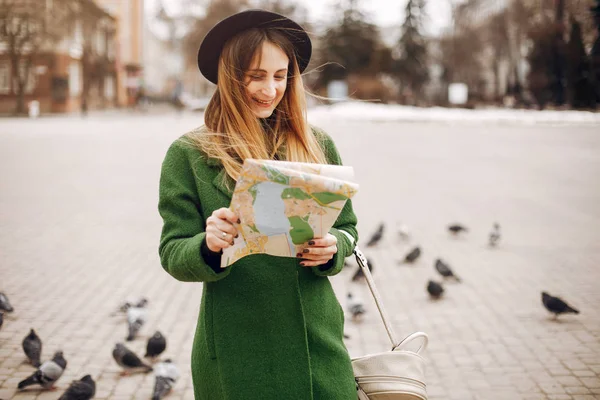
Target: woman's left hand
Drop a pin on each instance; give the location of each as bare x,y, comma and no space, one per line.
319,251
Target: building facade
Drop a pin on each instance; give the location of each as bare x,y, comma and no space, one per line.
129,36
58,53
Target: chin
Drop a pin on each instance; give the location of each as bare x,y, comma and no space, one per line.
263,113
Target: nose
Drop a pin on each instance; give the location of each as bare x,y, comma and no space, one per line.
269,88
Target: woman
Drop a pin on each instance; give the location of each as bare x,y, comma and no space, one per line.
269,327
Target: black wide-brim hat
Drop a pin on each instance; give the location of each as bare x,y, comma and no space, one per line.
215,39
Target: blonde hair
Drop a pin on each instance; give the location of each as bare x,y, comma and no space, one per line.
233,133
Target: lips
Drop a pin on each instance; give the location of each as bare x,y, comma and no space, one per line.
263,103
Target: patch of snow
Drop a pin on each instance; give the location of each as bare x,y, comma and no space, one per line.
365,111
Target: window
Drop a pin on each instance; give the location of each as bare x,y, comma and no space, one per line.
110,47
4,77
101,42
74,78
109,89
78,32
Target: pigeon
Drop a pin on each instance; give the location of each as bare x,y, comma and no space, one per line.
455,229
359,274
1,319
166,374
156,345
556,305
136,317
355,307
83,389
434,289
445,271
346,336
5,304
413,255
128,360
376,236
495,235
140,303
32,346
403,232
47,374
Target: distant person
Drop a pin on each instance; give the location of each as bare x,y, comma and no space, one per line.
269,328
176,97
141,101
84,106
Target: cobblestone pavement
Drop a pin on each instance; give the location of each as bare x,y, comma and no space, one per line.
79,232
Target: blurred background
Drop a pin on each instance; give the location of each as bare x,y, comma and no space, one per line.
78,55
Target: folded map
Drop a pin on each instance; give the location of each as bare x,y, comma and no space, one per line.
282,205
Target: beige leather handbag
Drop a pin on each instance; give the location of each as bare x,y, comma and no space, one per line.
392,375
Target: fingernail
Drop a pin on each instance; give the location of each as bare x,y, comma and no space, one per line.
299,255
311,243
239,221
236,235
303,264
305,251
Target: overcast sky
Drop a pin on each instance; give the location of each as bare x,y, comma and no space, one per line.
382,12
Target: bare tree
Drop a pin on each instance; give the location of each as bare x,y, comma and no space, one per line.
216,11
94,60
289,8
461,49
27,29
411,67
498,38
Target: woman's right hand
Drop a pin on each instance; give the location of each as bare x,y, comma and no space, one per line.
220,230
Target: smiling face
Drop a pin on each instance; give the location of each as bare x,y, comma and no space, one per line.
266,80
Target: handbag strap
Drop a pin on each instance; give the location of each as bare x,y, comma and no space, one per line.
362,262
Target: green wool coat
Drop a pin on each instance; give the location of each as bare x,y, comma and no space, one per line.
268,328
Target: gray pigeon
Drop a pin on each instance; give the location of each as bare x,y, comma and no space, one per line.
445,271
128,360
166,374
376,238
156,345
556,305
32,346
455,229
434,289
413,255
136,317
355,307
47,374
5,304
495,235
83,389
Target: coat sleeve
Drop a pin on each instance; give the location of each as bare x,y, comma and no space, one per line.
344,227
183,229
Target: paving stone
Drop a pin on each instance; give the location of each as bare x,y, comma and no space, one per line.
591,383
577,390
490,338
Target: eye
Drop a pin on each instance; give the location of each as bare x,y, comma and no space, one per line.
280,78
